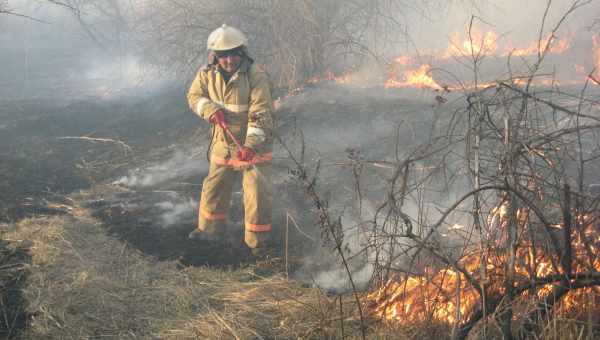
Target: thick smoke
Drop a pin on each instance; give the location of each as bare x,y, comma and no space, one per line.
48,54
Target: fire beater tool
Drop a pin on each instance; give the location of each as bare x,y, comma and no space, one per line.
225,127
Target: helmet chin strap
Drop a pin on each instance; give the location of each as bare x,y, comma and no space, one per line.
211,58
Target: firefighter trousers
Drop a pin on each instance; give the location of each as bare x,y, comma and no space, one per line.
216,198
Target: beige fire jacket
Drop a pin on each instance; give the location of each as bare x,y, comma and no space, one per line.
248,106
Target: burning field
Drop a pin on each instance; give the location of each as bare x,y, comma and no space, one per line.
452,193
453,295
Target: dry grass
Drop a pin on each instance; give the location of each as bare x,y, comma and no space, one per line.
84,284
81,283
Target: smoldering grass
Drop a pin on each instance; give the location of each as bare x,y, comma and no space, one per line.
173,213
180,165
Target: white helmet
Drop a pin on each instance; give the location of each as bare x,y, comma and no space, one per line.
225,38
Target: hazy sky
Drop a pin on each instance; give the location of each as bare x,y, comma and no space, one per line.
517,20
61,49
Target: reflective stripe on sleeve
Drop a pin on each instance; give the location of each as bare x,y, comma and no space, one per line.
200,105
254,131
237,163
237,108
258,228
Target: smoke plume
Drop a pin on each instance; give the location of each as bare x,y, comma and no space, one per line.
181,165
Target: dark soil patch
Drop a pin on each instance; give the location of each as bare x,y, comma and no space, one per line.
134,217
29,184
36,164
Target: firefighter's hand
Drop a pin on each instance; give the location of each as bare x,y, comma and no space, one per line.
245,154
218,118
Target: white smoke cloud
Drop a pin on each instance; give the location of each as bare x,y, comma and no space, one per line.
334,277
337,280
180,165
117,76
175,212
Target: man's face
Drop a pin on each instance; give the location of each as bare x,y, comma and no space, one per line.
229,62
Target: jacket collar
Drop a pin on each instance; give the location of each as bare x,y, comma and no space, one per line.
244,66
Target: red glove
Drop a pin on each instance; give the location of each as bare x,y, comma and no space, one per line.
218,118
245,154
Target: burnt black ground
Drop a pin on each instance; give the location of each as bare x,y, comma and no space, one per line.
132,217
39,170
36,163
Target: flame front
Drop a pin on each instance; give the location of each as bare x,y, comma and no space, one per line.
405,72
420,78
556,46
447,295
476,44
596,44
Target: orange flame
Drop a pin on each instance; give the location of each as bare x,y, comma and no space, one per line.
403,60
596,44
557,46
420,78
406,73
447,296
477,44
330,76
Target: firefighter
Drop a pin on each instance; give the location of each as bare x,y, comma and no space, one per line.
231,92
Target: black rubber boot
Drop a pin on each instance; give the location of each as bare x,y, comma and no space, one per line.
264,253
199,235
259,252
